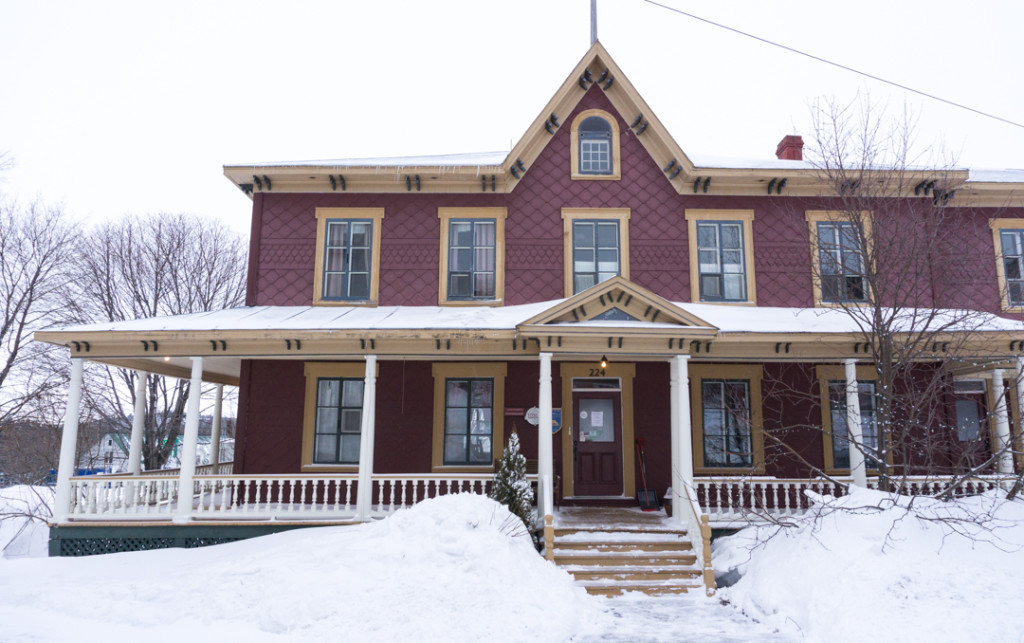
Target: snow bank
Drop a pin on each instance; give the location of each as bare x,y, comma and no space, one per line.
23,514
869,567
456,568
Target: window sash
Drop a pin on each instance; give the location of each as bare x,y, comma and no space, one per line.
841,262
595,252
337,427
472,250
868,422
468,421
595,146
728,435
348,249
1012,242
721,261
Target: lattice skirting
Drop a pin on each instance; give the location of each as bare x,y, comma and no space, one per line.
89,540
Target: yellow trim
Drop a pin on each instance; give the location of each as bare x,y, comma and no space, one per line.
322,215
746,217
569,215
751,372
813,217
827,373
499,215
997,226
444,370
625,372
574,151
313,371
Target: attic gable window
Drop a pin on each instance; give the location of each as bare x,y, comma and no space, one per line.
595,146
347,270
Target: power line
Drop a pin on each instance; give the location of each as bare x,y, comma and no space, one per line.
835,64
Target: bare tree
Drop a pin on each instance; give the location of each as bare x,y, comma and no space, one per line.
886,241
163,264
36,247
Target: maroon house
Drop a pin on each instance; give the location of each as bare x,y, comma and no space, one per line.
593,287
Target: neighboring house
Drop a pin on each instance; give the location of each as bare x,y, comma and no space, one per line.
403,314
109,454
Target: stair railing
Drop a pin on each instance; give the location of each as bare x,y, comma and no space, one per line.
699,529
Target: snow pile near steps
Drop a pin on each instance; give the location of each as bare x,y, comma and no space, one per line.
455,568
866,565
24,511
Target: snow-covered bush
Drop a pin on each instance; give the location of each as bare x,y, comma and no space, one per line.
510,486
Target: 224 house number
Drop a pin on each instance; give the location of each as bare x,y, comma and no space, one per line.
597,372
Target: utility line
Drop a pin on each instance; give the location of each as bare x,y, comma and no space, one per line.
835,64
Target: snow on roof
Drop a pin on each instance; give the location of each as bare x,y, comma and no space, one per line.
438,160
739,163
996,176
728,319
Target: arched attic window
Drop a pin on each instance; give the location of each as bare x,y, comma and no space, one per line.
595,146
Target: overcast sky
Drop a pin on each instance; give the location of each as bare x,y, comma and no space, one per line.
115,107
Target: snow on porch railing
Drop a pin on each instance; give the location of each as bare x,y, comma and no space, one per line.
759,498
279,497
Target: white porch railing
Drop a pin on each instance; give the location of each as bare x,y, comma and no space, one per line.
221,469
728,500
260,497
698,527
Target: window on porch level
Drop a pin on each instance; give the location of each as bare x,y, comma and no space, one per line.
868,423
469,420
339,413
726,422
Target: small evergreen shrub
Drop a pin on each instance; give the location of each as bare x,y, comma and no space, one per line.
510,486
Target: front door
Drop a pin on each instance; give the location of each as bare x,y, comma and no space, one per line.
597,443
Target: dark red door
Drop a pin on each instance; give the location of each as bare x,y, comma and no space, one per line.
597,439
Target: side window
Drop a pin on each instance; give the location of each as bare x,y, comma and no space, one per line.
595,252
469,421
868,424
725,407
347,253
595,146
339,413
840,256
1012,247
347,263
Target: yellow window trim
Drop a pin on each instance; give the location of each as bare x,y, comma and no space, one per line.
574,151
499,215
998,225
569,215
314,371
751,372
322,215
625,371
813,218
746,217
827,373
442,371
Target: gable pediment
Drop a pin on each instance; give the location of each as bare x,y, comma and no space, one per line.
598,69
616,303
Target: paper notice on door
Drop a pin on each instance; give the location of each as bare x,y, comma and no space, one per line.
597,418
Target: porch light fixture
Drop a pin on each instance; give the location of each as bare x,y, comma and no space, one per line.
604,362
167,358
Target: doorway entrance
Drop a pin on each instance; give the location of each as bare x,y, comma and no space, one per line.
597,436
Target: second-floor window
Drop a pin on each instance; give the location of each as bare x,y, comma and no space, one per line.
841,262
721,261
347,259
1012,242
595,252
472,245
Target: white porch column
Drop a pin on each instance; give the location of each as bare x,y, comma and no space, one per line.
218,404
1002,422
138,424
68,444
1019,373
853,428
187,454
364,492
682,434
545,449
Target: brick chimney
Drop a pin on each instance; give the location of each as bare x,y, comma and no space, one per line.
791,148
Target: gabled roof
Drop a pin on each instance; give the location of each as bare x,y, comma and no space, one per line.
647,309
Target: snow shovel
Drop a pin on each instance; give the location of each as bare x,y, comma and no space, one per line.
648,499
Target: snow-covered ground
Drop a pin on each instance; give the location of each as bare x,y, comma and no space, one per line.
870,568
457,569
23,514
